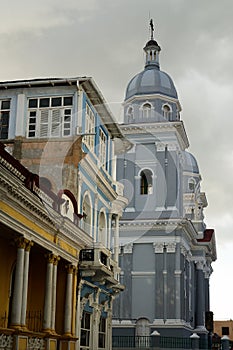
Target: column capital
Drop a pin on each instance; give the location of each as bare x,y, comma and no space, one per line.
158,247
21,242
71,268
200,264
128,248
52,258
56,260
29,244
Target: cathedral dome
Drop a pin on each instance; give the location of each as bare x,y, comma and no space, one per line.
190,163
151,81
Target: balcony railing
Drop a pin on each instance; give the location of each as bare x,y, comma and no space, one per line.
152,342
34,319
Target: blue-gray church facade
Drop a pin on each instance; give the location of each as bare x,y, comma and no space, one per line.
165,250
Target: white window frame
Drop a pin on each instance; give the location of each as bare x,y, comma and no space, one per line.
102,332
102,148
87,331
89,138
146,109
6,111
166,108
49,121
130,113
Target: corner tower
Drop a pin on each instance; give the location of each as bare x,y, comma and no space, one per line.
165,263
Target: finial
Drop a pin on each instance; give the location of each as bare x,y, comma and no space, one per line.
152,29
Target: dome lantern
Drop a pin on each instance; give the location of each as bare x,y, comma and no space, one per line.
152,50
151,80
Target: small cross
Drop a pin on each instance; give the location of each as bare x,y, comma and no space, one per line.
152,28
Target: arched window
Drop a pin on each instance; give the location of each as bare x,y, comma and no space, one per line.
102,232
146,182
191,185
146,110
166,111
130,114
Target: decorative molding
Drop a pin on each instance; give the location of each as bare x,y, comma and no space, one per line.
36,344
143,273
160,146
6,342
128,248
158,247
200,264
171,247
172,147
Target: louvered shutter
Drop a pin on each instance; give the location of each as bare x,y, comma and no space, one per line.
56,122
44,123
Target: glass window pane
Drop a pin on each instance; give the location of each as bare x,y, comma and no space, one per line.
5,104
33,103
44,102
67,118
56,101
68,101
33,114
4,118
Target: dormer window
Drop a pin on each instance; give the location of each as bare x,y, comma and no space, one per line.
146,110
146,182
166,111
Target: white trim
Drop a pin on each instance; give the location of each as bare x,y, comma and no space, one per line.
143,273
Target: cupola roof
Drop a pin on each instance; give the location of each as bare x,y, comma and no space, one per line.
151,80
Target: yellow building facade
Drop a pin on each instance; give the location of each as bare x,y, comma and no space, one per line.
225,327
60,206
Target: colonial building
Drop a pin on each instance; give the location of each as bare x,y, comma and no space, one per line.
166,250
60,206
222,328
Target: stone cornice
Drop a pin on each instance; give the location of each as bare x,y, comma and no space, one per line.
26,214
168,226
156,128
150,97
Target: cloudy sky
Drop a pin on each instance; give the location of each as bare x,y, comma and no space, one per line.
104,39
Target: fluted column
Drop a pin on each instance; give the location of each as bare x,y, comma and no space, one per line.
21,280
74,303
48,294
54,292
68,301
25,282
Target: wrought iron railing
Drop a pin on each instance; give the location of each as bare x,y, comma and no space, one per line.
147,342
